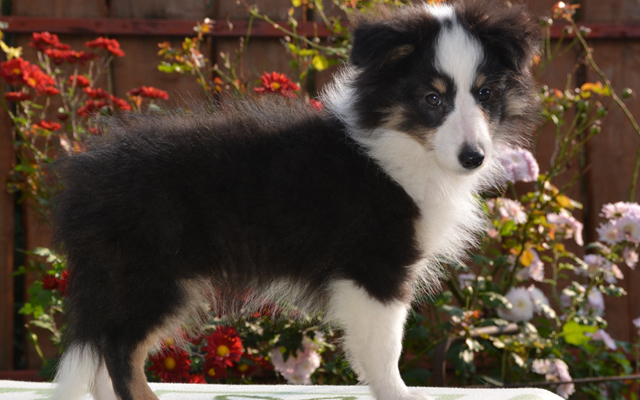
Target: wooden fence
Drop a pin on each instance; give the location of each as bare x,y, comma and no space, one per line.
140,25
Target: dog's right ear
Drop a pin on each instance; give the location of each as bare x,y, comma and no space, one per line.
378,45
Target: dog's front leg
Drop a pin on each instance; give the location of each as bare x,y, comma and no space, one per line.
373,333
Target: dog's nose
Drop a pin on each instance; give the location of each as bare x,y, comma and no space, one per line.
471,158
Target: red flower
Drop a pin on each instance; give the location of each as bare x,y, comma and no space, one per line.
196,379
119,103
111,45
277,83
17,96
45,40
13,71
50,126
63,282
49,282
248,365
316,104
49,91
94,131
171,365
150,92
91,107
71,56
224,345
20,72
97,93
62,117
79,80
215,368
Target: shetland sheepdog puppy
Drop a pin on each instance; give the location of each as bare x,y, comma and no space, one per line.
345,212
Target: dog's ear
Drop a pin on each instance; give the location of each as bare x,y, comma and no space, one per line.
379,44
510,34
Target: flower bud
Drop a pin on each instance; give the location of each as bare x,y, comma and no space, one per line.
626,93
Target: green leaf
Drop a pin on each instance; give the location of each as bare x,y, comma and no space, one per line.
574,333
320,63
508,228
493,299
453,310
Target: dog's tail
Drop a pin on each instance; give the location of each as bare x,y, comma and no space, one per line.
76,372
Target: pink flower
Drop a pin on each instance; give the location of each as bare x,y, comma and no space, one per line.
519,165
297,369
566,222
605,337
609,233
630,257
556,371
535,270
629,227
508,209
620,209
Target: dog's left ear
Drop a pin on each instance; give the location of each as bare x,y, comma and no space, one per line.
380,44
510,33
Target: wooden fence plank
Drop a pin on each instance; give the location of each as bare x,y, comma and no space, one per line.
612,156
618,11
60,8
6,248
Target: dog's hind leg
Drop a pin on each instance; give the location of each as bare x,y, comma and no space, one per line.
125,364
372,339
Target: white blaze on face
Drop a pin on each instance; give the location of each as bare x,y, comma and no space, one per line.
458,56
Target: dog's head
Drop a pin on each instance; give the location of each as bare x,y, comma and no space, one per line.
454,78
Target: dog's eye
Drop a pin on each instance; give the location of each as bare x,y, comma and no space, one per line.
484,94
433,99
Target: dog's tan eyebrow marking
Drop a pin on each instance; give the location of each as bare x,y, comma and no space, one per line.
480,80
439,85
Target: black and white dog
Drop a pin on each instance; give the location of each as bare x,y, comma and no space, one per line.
346,212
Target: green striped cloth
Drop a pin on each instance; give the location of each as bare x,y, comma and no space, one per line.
12,390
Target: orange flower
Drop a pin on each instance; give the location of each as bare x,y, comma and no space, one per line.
150,92
277,83
111,45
